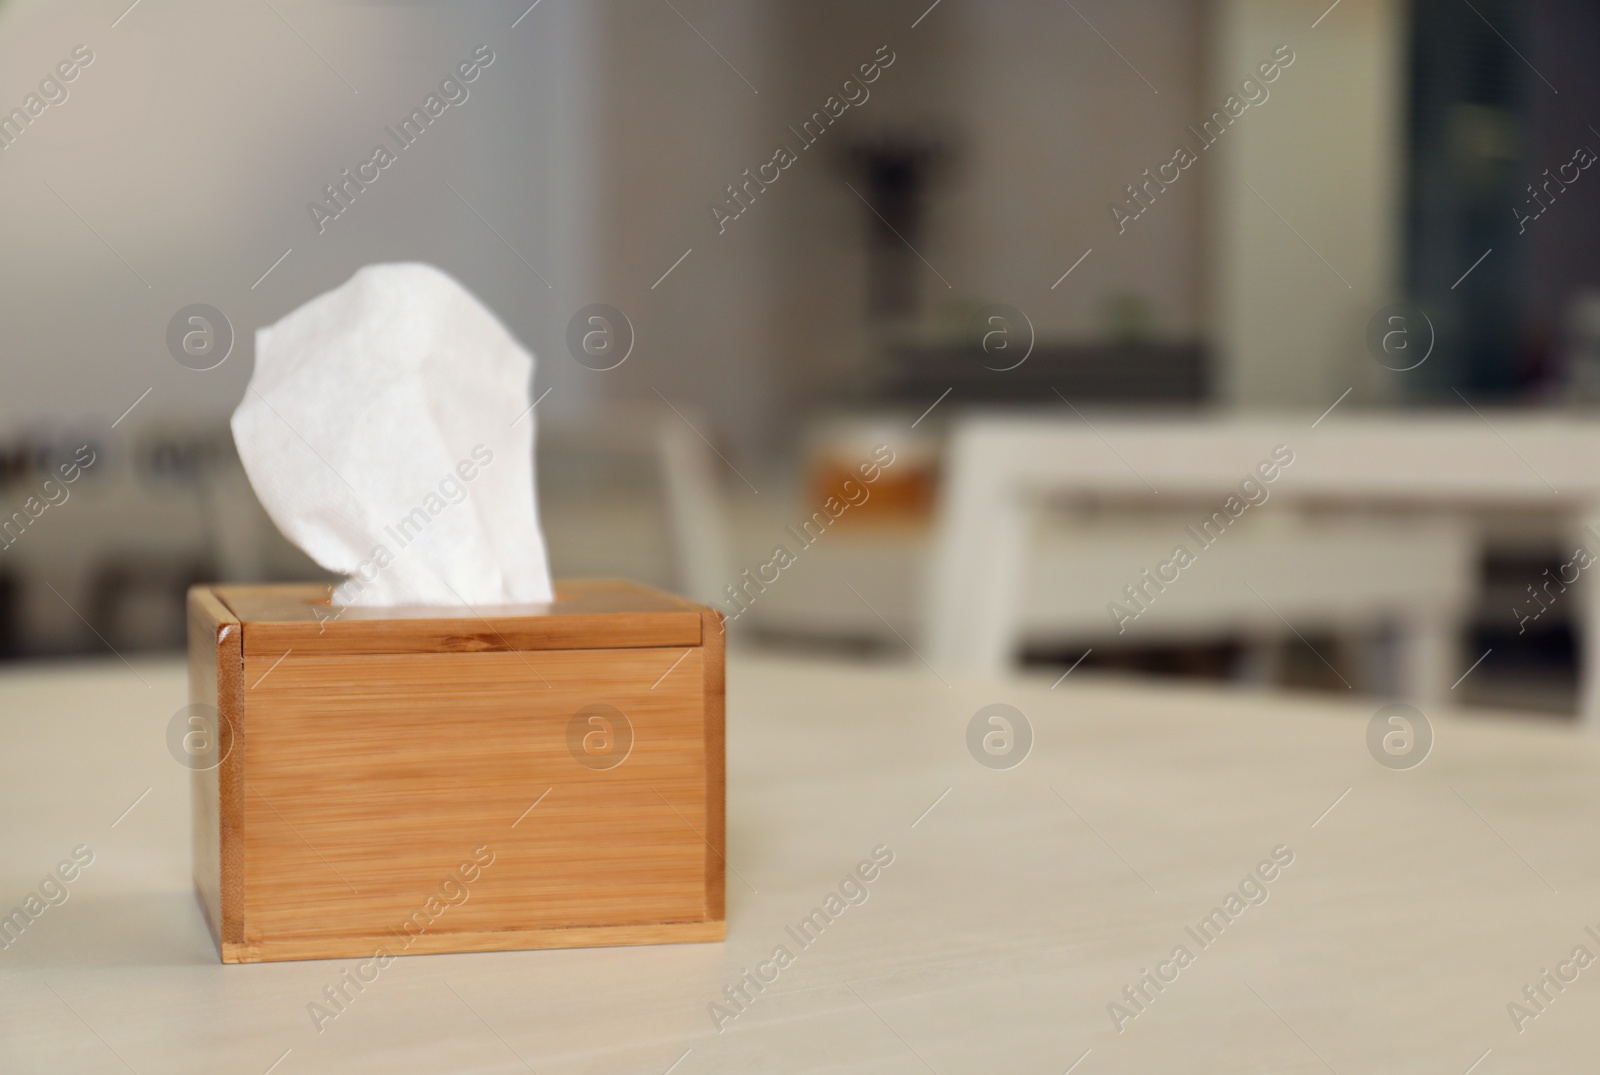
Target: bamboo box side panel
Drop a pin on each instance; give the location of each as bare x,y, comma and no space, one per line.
215,713
417,796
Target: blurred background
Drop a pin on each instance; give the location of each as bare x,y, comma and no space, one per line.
755,245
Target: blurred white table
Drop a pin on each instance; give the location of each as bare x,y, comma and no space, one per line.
1020,902
1447,466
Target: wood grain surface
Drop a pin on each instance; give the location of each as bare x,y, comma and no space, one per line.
587,614
216,680
276,949
714,703
370,780
463,799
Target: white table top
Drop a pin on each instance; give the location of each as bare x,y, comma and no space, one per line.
1421,459
1415,910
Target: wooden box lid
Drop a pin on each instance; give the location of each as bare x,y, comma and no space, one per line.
586,614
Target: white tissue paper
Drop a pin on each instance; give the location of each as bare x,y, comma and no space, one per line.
388,432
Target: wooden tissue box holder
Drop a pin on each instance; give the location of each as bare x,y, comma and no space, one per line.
418,780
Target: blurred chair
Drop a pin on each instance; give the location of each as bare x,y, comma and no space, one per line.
999,578
137,599
10,616
631,488
139,577
702,553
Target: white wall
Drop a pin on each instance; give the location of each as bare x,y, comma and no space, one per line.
1047,125
1059,124
192,145
1325,151
597,141
674,124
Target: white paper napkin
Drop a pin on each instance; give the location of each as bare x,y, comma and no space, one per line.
388,432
